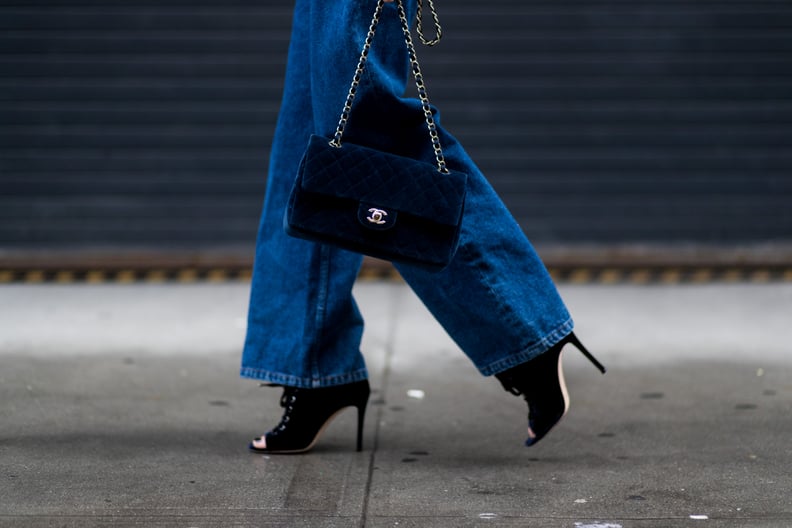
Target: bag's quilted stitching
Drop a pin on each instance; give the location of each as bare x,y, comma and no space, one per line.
323,204
421,243
388,180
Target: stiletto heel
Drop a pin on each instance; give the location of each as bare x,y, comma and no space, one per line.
361,417
307,412
541,382
572,338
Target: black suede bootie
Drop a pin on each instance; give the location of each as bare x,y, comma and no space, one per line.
306,414
541,382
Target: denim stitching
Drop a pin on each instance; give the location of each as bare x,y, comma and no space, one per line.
305,383
531,351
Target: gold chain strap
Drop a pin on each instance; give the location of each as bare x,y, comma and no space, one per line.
419,25
416,71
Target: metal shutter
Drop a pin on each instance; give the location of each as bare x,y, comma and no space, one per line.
147,123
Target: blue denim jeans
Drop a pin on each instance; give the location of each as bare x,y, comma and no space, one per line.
495,299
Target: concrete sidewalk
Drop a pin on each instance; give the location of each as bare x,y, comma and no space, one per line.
121,406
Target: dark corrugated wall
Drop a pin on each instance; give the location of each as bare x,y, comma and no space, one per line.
147,123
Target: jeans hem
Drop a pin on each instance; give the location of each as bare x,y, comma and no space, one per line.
288,380
531,351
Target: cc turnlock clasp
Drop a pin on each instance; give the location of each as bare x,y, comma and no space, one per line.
375,217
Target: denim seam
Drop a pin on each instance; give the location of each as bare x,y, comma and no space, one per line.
508,313
526,352
320,306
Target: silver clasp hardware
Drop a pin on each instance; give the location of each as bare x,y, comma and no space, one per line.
376,216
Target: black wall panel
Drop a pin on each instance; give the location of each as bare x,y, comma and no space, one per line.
147,123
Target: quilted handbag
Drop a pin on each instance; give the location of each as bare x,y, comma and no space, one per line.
377,203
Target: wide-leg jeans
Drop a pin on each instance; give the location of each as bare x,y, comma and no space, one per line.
496,299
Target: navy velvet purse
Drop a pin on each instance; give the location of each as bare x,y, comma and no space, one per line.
374,202
378,204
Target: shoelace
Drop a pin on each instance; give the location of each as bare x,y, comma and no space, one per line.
287,402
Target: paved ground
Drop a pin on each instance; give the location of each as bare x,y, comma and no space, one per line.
121,406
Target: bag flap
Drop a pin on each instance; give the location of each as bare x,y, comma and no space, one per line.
375,177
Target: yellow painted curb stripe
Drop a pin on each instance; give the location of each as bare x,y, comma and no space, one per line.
582,275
